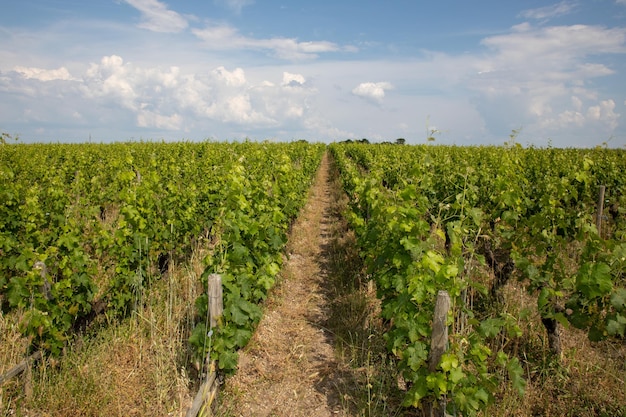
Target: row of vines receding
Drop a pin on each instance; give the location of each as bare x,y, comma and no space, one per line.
473,221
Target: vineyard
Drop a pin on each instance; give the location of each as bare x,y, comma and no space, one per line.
470,221
89,233
86,229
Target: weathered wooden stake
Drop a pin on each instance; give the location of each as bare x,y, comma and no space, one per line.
216,303
600,208
204,393
438,345
439,337
208,390
46,287
19,368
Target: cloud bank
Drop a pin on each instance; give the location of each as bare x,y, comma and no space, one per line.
207,78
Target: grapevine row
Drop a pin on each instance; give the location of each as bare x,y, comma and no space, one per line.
427,218
99,222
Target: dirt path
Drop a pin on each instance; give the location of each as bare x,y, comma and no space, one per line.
289,367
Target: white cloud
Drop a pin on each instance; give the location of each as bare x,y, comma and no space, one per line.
590,70
594,113
226,37
600,118
146,118
157,17
213,35
326,129
604,112
569,118
172,100
547,12
112,79
238,109
40,74
542,75
236,78
293,80
554,45
235,5
369,90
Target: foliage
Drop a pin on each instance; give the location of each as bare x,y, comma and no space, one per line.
262,194
102,220
423,216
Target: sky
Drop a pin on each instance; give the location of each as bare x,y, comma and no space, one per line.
464,72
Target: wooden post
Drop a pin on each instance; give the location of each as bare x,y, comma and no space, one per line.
204,393
216,310
600,208
439,337
208,390
216,303
46,287
438,345
19,368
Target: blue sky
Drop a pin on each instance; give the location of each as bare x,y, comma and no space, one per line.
466,72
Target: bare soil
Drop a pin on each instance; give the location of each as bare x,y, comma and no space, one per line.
289,367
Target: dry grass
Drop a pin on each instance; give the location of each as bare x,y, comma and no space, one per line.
137,367
289,367
372,386
588,380
13,347
318,350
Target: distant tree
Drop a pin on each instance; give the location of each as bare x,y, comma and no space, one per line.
400,141
364,141
386,143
